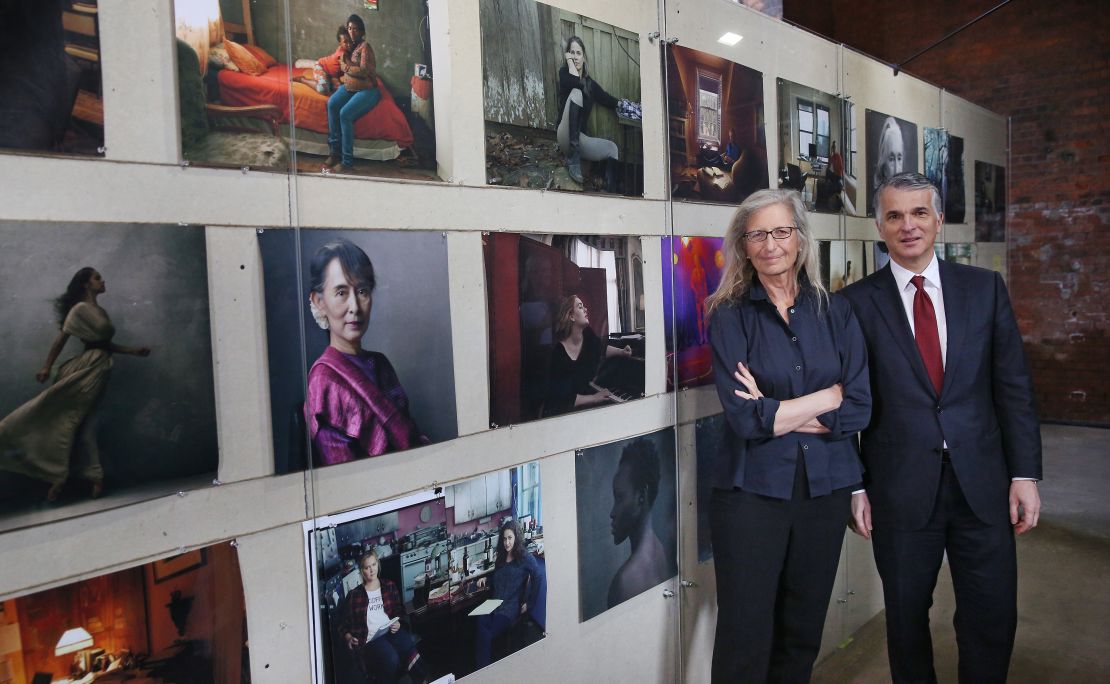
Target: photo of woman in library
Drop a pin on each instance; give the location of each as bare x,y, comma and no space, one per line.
518,583
372,629
790,367
53,436
356,406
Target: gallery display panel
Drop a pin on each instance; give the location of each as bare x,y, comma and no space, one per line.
426,295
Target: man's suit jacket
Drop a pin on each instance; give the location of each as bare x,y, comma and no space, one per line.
985,411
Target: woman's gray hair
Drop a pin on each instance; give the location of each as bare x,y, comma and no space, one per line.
908,181
739,272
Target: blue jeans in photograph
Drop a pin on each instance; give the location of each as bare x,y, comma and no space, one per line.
344,109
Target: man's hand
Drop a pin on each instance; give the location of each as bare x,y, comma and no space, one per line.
1025,505
861,515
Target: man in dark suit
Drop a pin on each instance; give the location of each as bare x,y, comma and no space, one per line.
953,451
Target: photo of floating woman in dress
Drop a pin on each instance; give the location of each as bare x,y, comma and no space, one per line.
54,434
356,406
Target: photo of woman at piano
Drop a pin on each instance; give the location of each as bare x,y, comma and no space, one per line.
576,358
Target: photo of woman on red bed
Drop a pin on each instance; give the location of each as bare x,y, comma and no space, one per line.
242,106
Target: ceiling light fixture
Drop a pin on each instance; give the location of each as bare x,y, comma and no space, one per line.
730,39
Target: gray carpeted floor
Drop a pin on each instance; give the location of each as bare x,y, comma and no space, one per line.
1063,582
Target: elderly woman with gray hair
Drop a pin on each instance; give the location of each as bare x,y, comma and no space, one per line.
791,372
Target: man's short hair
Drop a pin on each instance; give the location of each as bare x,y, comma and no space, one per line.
907,181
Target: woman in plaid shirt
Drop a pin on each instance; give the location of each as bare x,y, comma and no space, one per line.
371,606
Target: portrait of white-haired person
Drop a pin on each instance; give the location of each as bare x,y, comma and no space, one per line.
578,93
890,159
954,451
790,366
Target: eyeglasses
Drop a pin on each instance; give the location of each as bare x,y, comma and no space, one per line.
780,233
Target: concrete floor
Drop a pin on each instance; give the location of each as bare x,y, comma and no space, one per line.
1063,587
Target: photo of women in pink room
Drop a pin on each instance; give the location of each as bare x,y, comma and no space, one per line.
444,581
352,92
377,343
691,270
566,323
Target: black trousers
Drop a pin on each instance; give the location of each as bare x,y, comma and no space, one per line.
775,563
983,562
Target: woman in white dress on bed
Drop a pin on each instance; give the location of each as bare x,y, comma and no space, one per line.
54,434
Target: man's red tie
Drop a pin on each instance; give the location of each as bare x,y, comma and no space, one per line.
925,331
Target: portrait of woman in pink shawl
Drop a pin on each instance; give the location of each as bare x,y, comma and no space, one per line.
356,406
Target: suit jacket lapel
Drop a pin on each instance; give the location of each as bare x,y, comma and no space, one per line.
889,303
956,311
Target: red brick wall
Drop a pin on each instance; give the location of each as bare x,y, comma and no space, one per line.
1046,65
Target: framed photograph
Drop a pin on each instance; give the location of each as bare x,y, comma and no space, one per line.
891,150
566,323
818,148
177,565
141,421
692,268
717,139
396,361
443,555
562,100
627,525
343,94
50,80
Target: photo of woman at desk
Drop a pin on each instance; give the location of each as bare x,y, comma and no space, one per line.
444,581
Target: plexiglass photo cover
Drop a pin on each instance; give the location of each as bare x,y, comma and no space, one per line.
562,100
176,619
717,130
625,492
354,97
566,321
373,311
107,395
441,582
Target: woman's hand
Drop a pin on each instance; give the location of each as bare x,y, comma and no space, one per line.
395,627
745,378
570,65
351,640
142,351
602,396
813,427
43,374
